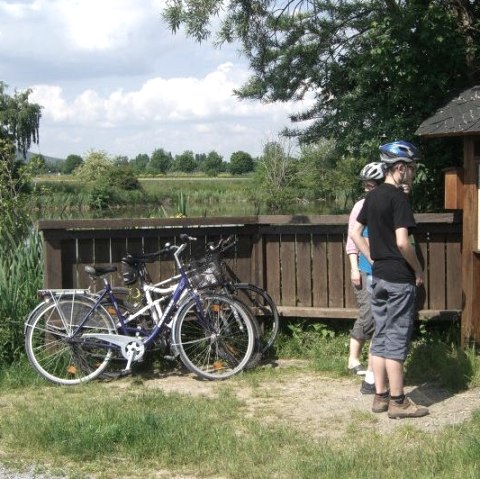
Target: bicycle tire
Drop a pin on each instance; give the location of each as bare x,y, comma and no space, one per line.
59,356
264,310
217,342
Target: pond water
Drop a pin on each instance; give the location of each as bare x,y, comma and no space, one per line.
240,208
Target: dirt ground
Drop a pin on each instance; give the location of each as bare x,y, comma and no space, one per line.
321,406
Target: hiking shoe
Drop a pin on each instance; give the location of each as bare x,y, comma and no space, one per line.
358,370
367,388
380,403
406,409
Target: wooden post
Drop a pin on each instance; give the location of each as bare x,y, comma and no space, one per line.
470,261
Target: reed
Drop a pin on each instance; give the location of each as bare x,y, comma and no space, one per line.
21,274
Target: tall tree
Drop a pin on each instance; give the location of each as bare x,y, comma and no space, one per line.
140,162
185,162
19,124
240,163
370,69
213,164
72,162
19,119
160,162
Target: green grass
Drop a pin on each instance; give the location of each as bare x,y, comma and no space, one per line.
104,431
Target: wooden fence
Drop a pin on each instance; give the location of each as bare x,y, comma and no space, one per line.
300,260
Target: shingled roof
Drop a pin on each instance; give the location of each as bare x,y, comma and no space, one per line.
459,117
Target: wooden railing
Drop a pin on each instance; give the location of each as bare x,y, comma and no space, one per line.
300,260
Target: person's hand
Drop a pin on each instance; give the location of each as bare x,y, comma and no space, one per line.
356,278
419,278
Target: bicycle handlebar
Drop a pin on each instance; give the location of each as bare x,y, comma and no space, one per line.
222,244
151,257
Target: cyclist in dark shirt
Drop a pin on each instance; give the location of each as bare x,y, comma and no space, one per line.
396,274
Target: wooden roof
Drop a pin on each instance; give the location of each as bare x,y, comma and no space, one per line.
459,117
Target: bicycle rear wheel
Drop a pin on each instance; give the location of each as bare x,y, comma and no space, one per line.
263,308
214,336
57,351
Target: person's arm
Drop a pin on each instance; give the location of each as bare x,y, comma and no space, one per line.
355,275
350,247
407,251
360,241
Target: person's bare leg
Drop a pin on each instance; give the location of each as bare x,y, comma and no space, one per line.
380,374
394,369
354,352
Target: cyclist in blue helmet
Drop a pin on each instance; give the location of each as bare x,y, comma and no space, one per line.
396,274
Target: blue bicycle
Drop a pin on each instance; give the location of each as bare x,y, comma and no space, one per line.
72,335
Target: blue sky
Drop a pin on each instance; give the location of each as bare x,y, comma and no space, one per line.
111,76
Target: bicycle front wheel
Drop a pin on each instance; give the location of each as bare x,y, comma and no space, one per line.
263,308
55,345
214,336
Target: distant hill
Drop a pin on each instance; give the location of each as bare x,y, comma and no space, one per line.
48,159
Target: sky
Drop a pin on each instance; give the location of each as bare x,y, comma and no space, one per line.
111,76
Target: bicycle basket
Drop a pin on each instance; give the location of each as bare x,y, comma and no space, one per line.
129,272
205,273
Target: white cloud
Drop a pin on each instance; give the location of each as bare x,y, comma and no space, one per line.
110,75
100,25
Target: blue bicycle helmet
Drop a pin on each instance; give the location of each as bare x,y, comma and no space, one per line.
400,150
373,171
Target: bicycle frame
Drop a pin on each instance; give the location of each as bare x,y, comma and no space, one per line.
133,347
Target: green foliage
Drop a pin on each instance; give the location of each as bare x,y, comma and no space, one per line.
240,163
97,164
160,162
105,178
185,162
37,164
123,177
72,162
213,164
182,205
372,70
21,269
277,175
19,120
140,162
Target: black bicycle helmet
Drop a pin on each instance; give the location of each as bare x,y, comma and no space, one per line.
400,150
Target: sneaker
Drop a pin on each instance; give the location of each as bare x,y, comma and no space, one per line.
358,370
406,409
367,388
380,403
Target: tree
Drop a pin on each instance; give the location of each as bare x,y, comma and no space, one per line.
185,162
37,164
140,162
371,69
160,162
213,164
19,120
19,124
123,177
277,174
240,163
97,165
72,162
121,160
